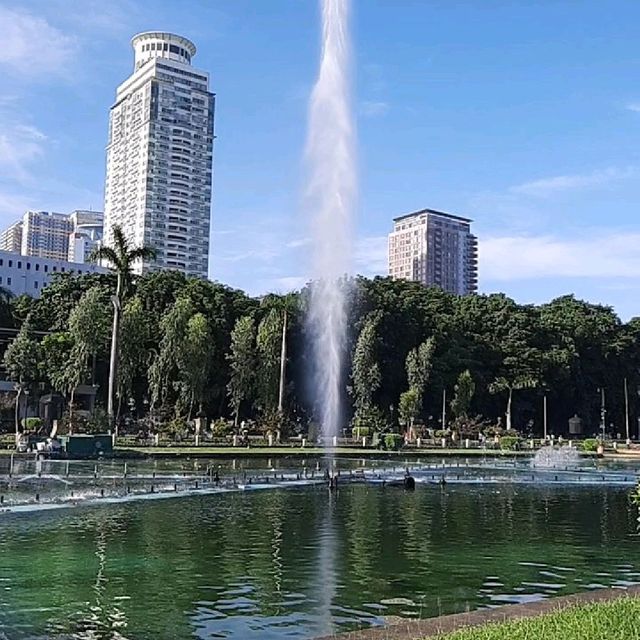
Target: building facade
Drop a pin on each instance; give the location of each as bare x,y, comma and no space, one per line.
58,236
11,238
436,249
45,235
86,235
25,274
159,156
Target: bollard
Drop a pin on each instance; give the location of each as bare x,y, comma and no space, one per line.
531,444
304,442
128,489
102,493
153,475
95,471
124,474
153,489
615,446
444,443
67,469
335,441
467,443
364,442
235,440
270,438
11,466
37,497
418,443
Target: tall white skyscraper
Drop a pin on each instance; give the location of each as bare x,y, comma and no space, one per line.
159,155
435,248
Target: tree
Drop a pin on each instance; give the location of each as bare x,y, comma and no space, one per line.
242,358
419,364
365,371
268,343
89,327
120,257
464,391
409,407
194,360
164,371
65,365
134,337
22,360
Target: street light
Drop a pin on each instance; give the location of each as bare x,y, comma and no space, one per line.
603,413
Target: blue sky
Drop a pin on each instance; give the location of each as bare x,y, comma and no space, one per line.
522,114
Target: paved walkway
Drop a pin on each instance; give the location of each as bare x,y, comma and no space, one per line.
418,629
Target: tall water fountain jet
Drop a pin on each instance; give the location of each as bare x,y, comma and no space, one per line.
330,195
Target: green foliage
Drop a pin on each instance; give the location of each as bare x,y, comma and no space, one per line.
31,424
419,364
268,343
365,374
221,428
409,406
393,441
464,391
509,443
98,421
242,358
590,444
361,432
369,418
22,358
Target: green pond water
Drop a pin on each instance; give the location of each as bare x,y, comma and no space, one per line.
300,562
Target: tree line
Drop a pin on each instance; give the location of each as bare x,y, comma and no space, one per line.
414,355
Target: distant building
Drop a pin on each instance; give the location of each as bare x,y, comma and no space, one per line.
11,238
436,249
58,236
159,156
26,274
46,234
86,235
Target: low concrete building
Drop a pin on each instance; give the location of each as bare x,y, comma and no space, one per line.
26,274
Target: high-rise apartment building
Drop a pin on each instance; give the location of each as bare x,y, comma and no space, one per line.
159,155
11,238
436,249
45,234
57,236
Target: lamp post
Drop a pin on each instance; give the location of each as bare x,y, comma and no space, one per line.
603,413
626,411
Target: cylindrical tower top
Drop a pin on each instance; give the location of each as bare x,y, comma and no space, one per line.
160,44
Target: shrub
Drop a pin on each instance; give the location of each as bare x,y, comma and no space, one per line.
221,428
441,433
393,441
509,443
370,418
98,421
590,444
31,424
361,432
178,429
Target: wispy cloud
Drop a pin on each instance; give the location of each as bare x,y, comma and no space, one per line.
597,255
633,106
31,46
546,187
371,256
20,145
373,109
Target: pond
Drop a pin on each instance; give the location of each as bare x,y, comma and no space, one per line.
300,562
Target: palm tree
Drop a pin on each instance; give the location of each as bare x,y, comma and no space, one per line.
121,257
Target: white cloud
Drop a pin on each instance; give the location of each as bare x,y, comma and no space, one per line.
372,109
633,106
20,145
32,46
549,186
371,256
599,255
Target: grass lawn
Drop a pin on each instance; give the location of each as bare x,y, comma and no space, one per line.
615,620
